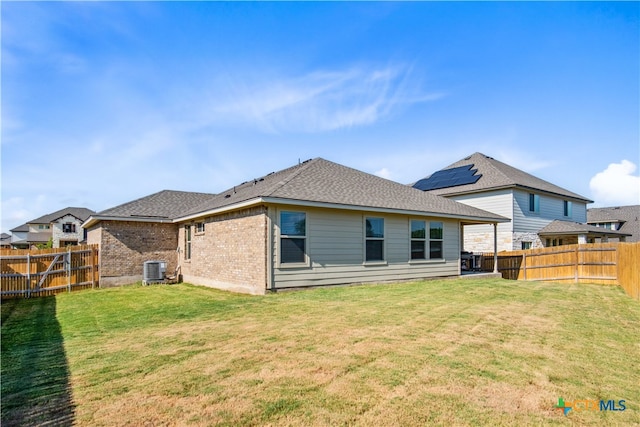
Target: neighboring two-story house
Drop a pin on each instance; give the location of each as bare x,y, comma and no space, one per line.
625,219
63,228
542,214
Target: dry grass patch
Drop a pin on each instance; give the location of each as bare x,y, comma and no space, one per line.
432,353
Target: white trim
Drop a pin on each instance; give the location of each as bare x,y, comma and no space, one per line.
382,261
474,219
293,202
292,265
94,219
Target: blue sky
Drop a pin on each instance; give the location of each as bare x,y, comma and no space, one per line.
103,103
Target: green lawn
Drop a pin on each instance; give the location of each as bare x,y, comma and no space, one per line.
451,352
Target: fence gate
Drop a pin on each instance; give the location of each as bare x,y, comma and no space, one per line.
48,271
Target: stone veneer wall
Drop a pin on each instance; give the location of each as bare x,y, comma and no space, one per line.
518,238
483,242
231,254
57,235
125,246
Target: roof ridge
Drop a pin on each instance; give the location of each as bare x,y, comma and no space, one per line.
301,166
491,160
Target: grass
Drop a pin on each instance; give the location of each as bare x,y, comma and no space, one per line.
453,352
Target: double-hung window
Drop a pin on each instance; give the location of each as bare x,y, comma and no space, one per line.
534,203
374,239
435,240
200,227
293,237
187,242
418,239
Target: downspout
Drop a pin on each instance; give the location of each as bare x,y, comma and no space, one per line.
495,247
269,283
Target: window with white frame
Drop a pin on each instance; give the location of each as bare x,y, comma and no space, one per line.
418,239
567,208
187,242
200,227
534,203
374,239
293,237
526,245
435,240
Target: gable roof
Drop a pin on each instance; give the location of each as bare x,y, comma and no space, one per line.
21,228
81,213
494,174
319,182
628,216
558,227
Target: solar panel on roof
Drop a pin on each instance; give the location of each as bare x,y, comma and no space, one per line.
453,177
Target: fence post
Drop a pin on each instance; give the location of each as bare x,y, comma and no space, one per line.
68,265
577,273
524,264
93,266
28,275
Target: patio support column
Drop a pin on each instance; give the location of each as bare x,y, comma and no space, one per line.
495,247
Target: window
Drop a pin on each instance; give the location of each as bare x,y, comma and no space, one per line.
534,203
187,242
200,227
293,236
44,227
418,239
567,208
374,239
526,245
435,240
68,228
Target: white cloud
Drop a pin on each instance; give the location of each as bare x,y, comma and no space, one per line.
320,101
616,185
383,173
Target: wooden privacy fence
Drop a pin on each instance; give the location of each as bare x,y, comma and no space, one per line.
43,272
603,263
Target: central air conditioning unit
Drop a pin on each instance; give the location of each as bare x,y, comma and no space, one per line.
154,272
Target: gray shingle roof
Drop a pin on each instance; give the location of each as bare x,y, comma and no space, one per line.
321,181
23,227
496,174
81,213
569,227
629,215
165,204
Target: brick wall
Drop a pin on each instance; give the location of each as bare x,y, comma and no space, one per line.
126,245
231,253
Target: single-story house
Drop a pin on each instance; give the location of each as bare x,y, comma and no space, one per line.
316,223
558,233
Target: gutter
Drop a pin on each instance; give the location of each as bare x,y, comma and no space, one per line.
294,202
94,219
